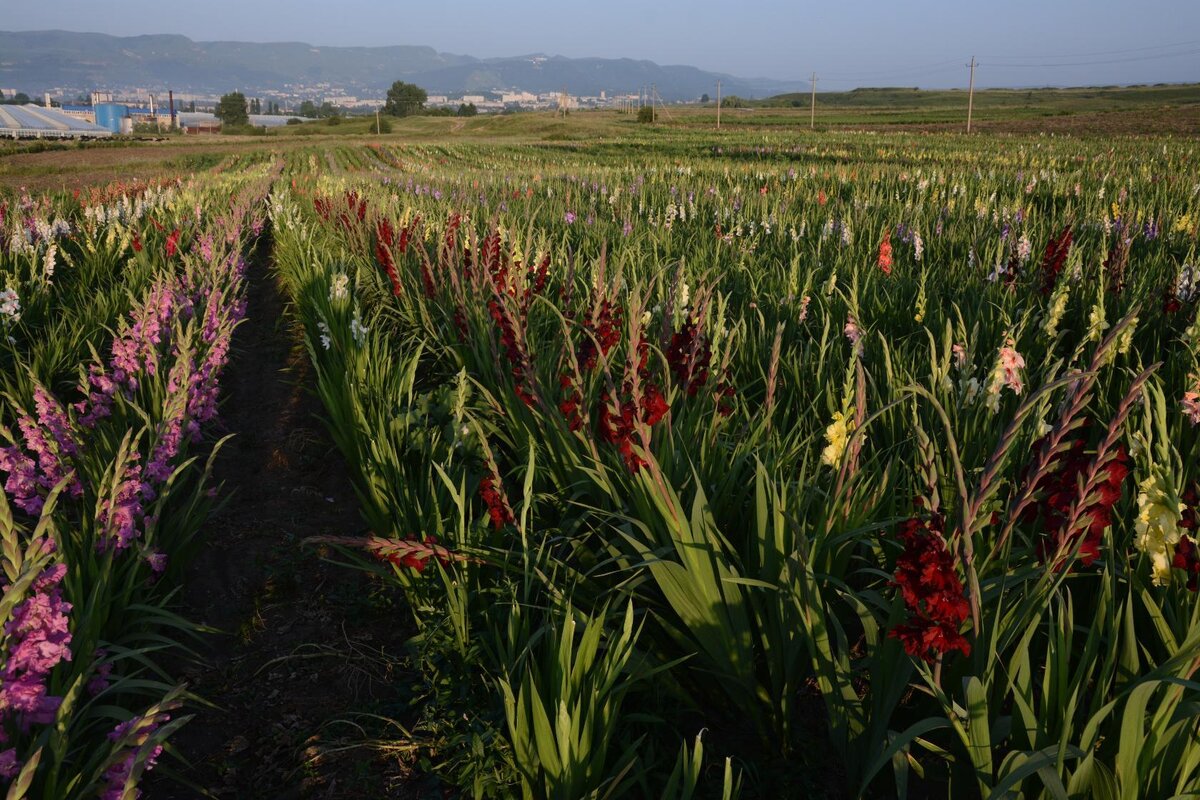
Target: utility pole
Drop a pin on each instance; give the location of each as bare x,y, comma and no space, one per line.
971,94
376,121
812,108
653,101
718,105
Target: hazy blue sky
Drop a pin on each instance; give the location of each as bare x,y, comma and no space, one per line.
848,43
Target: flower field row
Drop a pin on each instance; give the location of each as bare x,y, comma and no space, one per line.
704,471
119,309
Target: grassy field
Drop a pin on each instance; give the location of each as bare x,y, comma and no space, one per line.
1173,109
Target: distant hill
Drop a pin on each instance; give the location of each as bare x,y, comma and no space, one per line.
38,61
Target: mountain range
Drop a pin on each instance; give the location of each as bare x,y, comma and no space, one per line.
39,61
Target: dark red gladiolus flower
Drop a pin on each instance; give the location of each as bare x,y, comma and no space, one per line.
427,280
654,405
385,232
1187,554
1055,259
571,403
724,395
535,281
405,234
357,206
322,207
512,351
137,243
617,427
1059,488
460,323
173,243
492,263
601,336
491,491
451,236
618,423
383,253
1187,558
688,355
932,591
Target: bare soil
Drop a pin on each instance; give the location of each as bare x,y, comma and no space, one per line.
300,644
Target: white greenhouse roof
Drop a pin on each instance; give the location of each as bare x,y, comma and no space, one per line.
35,122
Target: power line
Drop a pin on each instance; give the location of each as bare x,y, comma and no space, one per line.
1104,52
1004,61
1110,61
923,67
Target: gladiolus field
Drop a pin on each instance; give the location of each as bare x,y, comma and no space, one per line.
846,465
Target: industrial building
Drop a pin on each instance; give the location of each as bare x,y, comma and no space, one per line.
35,122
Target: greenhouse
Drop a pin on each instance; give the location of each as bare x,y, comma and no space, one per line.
35,122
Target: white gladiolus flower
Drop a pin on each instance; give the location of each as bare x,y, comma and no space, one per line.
339,289
10,307
358,330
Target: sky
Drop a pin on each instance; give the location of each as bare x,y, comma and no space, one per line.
847,43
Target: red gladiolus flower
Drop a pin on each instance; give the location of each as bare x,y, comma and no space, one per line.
411,551
885,255
932,591
654,405
821,198
137,243
173,243
618,423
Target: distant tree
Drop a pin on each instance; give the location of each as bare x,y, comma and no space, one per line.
405,99
308,109
192,107
1,96
645,114
467,110
704,98
327,110
231,109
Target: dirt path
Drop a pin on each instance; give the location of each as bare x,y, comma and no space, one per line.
302,643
